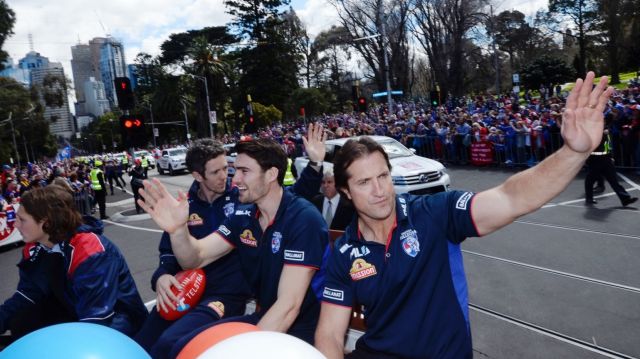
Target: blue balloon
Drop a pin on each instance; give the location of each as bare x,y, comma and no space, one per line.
75,341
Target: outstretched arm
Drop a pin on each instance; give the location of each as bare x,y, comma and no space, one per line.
171,215
582,128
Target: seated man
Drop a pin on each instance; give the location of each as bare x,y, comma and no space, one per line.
280,239
401,257
66,257
212,199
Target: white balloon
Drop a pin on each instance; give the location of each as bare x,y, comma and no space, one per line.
263,345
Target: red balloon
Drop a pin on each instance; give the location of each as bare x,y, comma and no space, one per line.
212,336
193,283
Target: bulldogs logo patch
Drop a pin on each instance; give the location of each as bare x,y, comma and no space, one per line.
228,209
275,242
410,243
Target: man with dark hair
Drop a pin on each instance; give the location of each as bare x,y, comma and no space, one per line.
212,200
401,257
70,267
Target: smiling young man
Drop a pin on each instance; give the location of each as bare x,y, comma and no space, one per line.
401,257
212,199
278,237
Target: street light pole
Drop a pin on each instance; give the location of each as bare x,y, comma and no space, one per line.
13,133
206,91
153,126
186,120
386,67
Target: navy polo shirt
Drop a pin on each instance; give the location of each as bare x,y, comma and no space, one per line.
413,290
224,276
297,236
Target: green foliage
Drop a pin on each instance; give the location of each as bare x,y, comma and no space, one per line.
265,116
7,20
315,102
251,16
546,70
175,50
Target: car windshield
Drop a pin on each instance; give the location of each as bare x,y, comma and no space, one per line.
142,153
177,152
395,149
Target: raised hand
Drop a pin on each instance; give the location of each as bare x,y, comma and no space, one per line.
583,119
169,213
314,142
166,297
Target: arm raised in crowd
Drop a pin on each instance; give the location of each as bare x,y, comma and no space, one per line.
582,128
171,215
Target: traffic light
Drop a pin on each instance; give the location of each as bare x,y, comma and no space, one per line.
435,98
362,104
250,126
132,131
124,93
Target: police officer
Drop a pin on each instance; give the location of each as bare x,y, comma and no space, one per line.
600,165
138,175
289,179
99,188
145,164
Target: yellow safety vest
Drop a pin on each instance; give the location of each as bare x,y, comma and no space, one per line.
95,183
125,160
145,163
289,180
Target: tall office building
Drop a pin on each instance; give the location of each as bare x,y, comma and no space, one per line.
82,69
13,71
112,65
52,91
96,102
103,59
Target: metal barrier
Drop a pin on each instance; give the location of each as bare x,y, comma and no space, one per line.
521,149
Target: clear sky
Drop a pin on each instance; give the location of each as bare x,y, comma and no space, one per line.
142,25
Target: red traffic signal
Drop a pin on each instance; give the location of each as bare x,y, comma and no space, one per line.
362,104
134,122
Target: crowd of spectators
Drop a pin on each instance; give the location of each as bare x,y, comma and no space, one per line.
71,173
514,131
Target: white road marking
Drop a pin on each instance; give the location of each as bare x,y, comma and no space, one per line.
132,227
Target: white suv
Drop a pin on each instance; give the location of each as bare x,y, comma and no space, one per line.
147,155
172,160
409,172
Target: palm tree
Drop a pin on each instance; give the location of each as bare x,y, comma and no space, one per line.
206,64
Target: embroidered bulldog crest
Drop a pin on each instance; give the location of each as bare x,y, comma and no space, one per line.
276,240
410,243
228,209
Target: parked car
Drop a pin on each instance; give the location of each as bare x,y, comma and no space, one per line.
231,154
409,172
172,160
147,155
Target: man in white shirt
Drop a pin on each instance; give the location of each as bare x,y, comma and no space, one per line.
335,209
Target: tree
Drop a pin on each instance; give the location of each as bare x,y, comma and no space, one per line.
174,51
265,115
331,49
583,15
7,20
441,28
30,128
315,102
251,16
545,70
369,20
